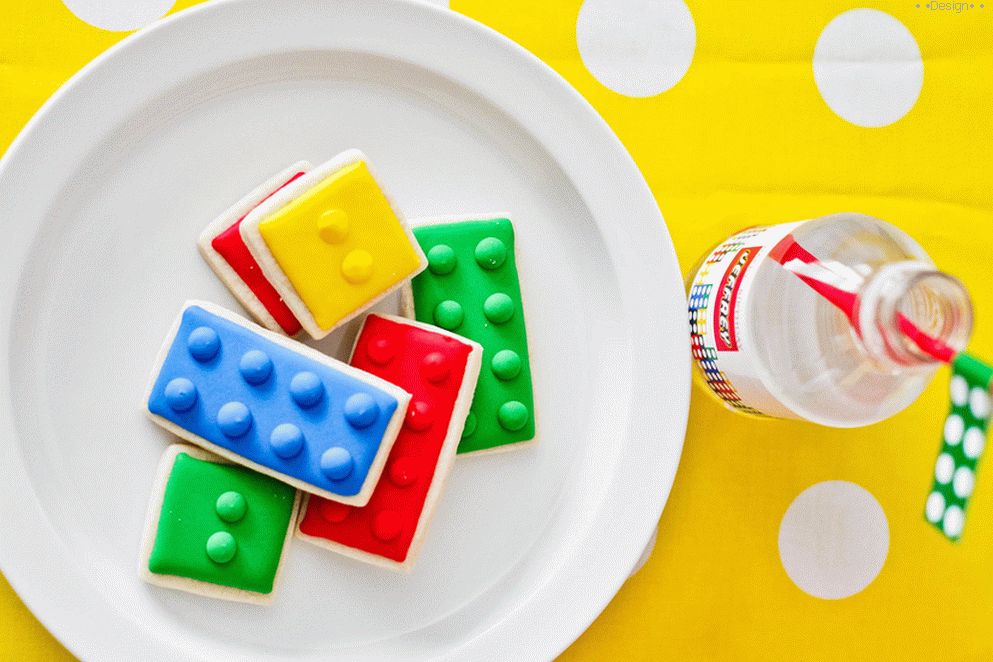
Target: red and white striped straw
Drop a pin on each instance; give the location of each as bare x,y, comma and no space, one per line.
838,288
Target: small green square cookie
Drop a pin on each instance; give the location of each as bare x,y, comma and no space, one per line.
471,287
215,528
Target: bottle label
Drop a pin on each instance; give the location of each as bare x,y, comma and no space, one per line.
727,299
719,324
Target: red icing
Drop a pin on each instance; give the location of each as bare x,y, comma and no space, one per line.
232,248
417,359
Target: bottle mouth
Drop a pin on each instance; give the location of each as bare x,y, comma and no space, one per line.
911,314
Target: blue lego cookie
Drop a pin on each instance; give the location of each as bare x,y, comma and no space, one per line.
275,405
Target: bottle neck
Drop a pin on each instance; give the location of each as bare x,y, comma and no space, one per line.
905,310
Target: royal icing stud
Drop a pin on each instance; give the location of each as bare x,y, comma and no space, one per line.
471,288
225,251
216,528
332,244
440,370
274,405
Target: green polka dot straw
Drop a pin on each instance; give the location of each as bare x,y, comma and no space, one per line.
962,445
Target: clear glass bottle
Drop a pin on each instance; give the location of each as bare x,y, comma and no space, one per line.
768,343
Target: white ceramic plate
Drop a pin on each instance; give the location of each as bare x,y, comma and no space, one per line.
101,200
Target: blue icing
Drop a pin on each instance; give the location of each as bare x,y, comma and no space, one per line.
361,410
303,419
255,366
337,463
306,389
286,440
181,394
234,419
203,343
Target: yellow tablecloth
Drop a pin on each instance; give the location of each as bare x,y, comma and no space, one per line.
744,135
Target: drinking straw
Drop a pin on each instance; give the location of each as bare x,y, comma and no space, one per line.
827,280
964,433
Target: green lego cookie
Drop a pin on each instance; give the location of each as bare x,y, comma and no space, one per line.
220,529
471,288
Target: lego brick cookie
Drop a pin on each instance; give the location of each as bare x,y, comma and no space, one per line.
471,287
215,528
440,370
332,243
274,405
224,250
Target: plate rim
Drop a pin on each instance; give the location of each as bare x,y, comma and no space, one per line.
509,638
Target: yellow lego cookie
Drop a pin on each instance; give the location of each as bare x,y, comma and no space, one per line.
332,244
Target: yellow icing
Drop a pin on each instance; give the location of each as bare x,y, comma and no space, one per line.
357,267
340,244
333,226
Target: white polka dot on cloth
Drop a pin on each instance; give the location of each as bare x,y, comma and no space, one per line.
833,539
979,402
954,427
636,48
973,443
935,507
119,15
868,67
954,522
944,467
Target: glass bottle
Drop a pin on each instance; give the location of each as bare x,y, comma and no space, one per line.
838,320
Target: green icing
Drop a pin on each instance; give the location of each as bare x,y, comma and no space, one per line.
483,285
513,415
491,253
195,540
449,315
506,364
441,260
231,506
221,547
498,308
470,425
